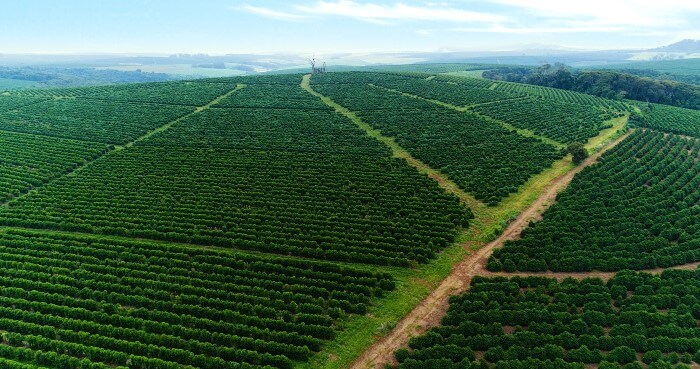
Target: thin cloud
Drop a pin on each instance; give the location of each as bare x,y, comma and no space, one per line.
628,13
270,13
500,29
397,11
630,17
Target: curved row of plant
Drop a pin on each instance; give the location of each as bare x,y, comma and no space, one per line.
12,101
560,95
531,322
90,120
189,93
563,122
458,94
668,119
480,156
284,177
328,206
28,161
272,96
196,307
311,184
466,81
638,208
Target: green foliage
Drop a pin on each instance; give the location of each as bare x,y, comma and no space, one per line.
28,161
460,92
559,95
614,84
540,322
301,182
622,355
480,156
90,120
122,302
605,84
652,356
636,209
578,152
668,119
562,122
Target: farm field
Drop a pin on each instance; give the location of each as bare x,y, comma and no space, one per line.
636,209
277,204
669,119
28,161
482,157
564,96
89,120
539,322
291,221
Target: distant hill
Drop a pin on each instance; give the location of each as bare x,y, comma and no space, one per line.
17,77
684,46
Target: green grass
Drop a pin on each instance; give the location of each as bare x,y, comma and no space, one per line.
607,135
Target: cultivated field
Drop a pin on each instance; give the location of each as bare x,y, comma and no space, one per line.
324,221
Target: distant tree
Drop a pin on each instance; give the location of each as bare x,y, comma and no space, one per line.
578,152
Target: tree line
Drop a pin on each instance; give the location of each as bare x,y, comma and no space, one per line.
603,83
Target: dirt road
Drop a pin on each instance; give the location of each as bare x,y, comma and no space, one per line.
431,310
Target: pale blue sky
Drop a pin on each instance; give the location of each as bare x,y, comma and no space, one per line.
235,26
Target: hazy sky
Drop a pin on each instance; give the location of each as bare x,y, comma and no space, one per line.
233,26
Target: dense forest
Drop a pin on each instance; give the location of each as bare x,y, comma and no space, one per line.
608,84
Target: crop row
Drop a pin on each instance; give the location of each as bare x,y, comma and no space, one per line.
468,82
288,177
310,184
480,156
560,121
559,95
537,322
269,129
61,92
451,93
28,161
189,93
183,305
636,209
328,206
90,120
668,119
272,96
366,77
260,79
9,102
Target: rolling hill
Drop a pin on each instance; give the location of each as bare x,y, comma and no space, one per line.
304,221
